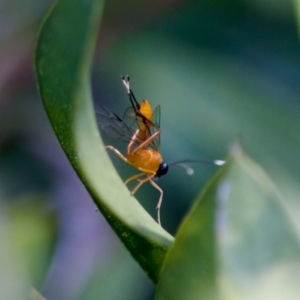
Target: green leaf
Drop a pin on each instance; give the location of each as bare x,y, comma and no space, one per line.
237,242
63,57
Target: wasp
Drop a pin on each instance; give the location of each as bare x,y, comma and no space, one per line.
140,128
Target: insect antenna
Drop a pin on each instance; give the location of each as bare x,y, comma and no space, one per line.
190,171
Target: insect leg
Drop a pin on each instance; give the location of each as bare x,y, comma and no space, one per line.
159,201
141,182
120,155
134,137
134,177
148,141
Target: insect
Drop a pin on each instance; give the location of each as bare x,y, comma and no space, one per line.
140,128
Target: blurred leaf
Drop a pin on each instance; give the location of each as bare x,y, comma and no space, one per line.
190,267
14,282
63,56
121,272
35,295
237,242
32,232
27,235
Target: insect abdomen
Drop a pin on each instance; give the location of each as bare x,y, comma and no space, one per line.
146,159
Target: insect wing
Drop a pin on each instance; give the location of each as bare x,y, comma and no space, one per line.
154,128
113,125
130,119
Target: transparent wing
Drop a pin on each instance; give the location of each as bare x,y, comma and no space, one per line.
113,125
123,130
153,129
130,118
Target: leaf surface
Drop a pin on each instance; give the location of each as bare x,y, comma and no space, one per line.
237,242
63,58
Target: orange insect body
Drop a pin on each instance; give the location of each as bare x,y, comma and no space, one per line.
146,160
145,109
142,150
143,142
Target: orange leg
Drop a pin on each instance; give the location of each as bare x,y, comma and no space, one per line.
132,141
159,201
148,141
119,154
144,144
141,182
134,177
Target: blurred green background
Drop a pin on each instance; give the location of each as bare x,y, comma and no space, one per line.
220,70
